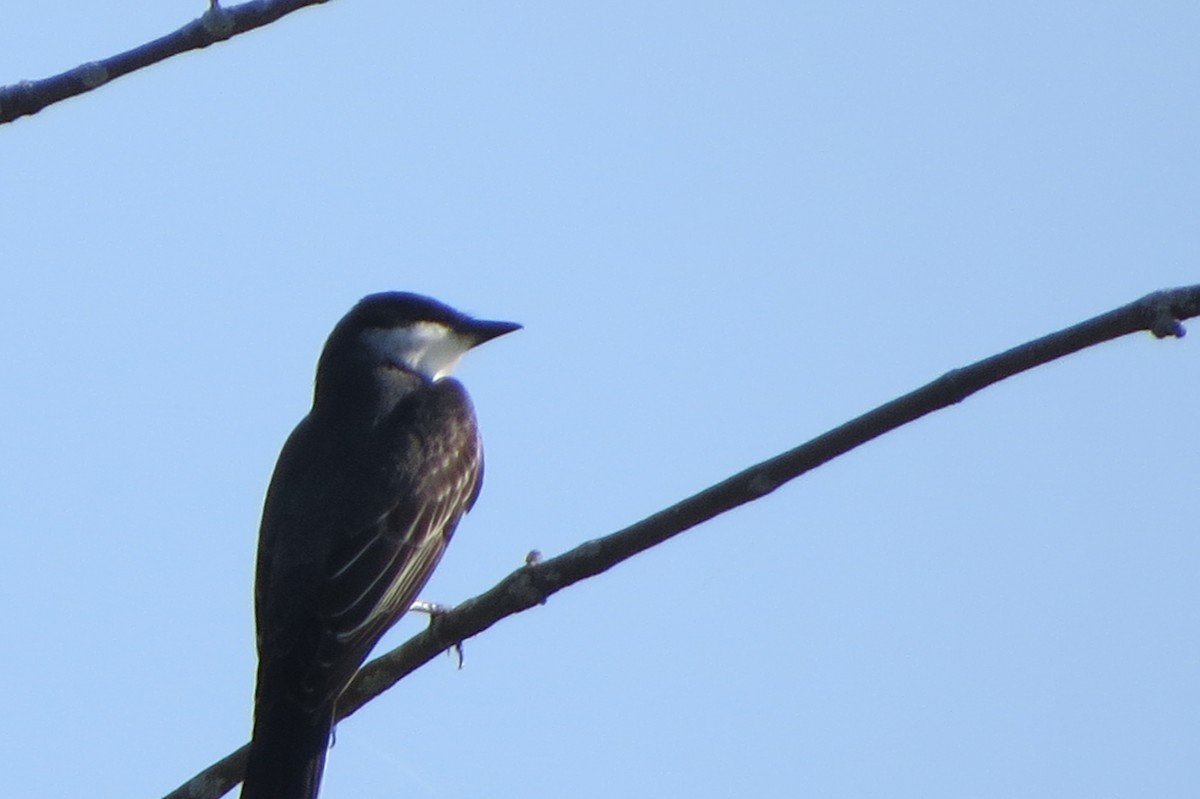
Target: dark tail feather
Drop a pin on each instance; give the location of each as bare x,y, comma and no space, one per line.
287,754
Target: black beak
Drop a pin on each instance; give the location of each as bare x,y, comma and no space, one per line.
482,330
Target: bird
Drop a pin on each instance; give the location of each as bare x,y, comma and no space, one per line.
366,494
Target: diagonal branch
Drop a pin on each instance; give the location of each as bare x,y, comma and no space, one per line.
215,25
1159,313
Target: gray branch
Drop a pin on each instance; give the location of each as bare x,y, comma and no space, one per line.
215,25
1159,313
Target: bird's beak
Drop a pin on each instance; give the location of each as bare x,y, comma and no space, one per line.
482,330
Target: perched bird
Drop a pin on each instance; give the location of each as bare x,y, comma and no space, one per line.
366,493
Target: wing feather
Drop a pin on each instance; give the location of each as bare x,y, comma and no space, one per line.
374,573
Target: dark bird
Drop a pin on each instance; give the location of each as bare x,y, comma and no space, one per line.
366,493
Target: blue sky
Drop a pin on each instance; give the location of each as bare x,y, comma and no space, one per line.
726,228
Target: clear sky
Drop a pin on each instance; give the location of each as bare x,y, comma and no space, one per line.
727,227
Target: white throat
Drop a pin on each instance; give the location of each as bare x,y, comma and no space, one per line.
429,348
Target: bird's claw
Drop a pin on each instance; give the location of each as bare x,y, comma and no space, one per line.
433,610
430,609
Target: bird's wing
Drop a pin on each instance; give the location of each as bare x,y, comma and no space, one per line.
374,573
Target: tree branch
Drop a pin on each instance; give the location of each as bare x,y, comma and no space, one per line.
1159,313
215,25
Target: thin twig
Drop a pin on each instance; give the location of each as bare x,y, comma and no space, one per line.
215,25
1159,313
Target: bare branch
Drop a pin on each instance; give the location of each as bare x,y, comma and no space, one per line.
1159,313
215,25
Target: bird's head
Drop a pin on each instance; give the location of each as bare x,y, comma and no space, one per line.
408,331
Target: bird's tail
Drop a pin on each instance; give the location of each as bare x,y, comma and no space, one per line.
287,753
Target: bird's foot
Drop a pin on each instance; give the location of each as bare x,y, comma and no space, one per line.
433,610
